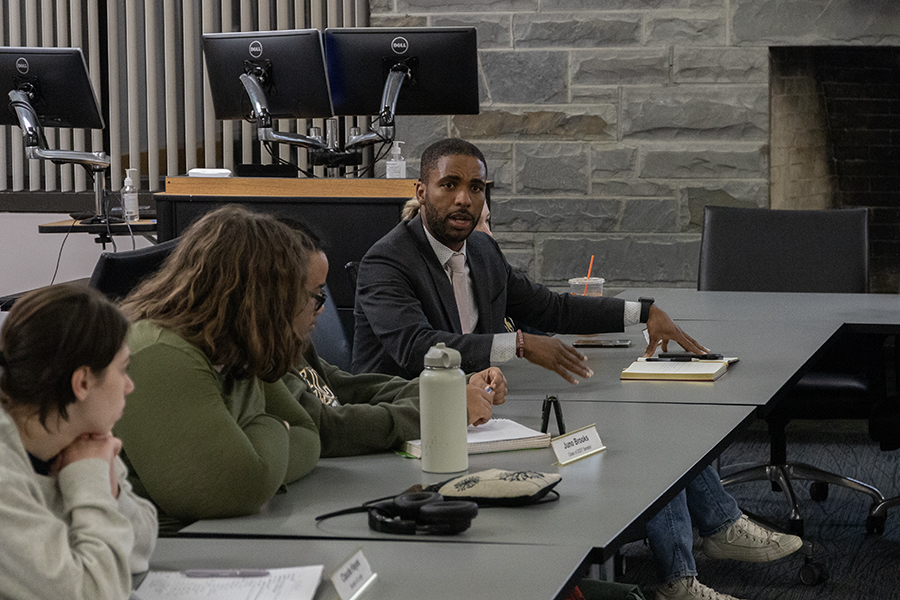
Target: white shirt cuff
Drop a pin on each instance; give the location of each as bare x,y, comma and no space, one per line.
504,347
632,313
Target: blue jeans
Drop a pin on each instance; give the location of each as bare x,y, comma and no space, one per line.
671,533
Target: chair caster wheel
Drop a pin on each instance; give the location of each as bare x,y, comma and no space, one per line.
795,527
813,573
875,524
818,491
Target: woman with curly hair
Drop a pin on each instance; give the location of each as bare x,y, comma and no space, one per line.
232,401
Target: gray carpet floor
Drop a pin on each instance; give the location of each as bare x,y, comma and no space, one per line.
859,565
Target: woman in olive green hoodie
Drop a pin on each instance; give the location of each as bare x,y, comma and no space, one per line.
231,400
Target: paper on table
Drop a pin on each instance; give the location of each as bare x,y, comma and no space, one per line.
292,583
497,435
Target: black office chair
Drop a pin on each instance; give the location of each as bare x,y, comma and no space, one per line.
799,251
884,428
117,273
329,337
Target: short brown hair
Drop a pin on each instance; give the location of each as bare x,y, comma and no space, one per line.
48,335
233,288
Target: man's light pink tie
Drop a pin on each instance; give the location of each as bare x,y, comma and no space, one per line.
457,263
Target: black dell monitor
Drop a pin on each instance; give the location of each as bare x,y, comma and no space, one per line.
56,84
289,65
441,63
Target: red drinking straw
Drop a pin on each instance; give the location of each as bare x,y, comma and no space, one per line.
590,268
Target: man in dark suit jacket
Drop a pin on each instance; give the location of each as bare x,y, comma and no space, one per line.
405,301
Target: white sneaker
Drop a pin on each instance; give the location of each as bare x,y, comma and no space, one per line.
689,588
749,542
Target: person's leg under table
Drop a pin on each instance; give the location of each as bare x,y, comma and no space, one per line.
671,538
726,532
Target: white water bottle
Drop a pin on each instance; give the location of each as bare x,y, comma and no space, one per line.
130,196
442,406
396,165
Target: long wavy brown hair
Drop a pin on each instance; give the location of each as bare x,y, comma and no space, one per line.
233,287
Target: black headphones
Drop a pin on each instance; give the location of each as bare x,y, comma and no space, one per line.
427,512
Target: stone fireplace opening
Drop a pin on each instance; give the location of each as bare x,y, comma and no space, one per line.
835,140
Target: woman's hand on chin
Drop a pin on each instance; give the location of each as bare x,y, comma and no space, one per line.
93,445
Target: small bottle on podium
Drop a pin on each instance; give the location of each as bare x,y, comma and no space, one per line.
130,197
442,406
396,164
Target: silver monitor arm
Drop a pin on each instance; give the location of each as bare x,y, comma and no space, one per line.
28,121
398,75
327,151
264,129
36,148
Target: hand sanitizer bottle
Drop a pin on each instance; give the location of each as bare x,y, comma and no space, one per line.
130,196
396,164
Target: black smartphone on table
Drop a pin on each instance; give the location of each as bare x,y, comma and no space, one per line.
601,343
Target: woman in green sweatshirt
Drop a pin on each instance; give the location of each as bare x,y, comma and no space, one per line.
231,400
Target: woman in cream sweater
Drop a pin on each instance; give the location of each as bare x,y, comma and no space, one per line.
70,525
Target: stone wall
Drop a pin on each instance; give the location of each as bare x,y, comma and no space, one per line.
609,124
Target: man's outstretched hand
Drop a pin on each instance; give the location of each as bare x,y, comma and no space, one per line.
554,354
662,329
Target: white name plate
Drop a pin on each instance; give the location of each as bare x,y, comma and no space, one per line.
353,577
577,444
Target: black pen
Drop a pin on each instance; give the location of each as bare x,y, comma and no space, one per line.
225,573
691,355
674,359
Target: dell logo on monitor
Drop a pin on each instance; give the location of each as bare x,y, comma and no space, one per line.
399,45
255,48
22,65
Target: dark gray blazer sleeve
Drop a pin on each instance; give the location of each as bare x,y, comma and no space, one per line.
529,303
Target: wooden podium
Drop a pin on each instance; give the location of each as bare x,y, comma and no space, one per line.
348,214
292,187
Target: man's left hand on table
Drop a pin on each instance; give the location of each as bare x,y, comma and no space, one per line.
662,329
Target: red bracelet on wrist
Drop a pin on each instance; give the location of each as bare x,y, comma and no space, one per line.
520,344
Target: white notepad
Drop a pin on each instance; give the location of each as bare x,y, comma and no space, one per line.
698,370
497,435
293,583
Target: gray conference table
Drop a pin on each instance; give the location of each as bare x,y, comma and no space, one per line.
606,499
773,355
659,434
411,570
777,336
850,309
